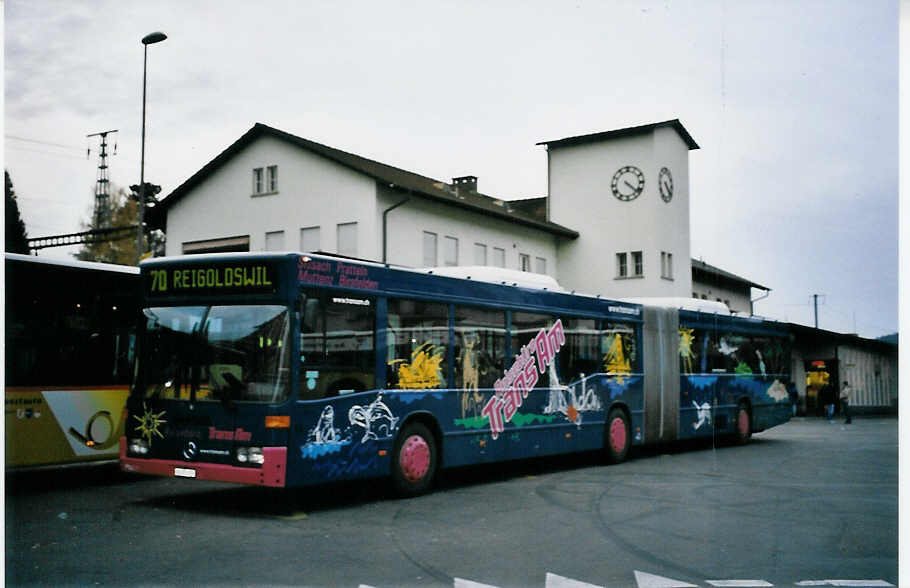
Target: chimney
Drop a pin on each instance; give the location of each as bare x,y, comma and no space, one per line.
465,184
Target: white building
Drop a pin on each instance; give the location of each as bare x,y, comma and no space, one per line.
615,221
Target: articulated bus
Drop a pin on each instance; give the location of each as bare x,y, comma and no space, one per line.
294,369
70,336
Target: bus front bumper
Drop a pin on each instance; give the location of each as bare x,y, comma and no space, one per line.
272,473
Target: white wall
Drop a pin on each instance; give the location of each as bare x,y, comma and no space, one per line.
408,222
312,191
873,376
581,198
736,300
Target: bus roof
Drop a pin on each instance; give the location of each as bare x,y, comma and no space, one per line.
683,303
73,263
497,275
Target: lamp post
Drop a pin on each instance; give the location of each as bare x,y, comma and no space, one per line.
147,40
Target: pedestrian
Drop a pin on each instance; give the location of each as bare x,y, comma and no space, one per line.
828,399
845,394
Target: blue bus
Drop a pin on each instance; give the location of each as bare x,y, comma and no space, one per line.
293,369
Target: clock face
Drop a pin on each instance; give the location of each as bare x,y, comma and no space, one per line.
628,182
665,183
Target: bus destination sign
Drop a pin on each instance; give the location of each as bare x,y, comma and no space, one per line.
211,280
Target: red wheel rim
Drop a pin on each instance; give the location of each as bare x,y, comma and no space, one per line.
414,458
743,422
617,435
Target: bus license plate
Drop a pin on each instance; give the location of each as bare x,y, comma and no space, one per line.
185,472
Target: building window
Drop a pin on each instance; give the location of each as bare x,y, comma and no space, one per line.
622,268
429,249
540,265
524,262
265,180
274,241
499,257
666,265
347,239
223,245
451,251
309,239
257,181
637,263
480,254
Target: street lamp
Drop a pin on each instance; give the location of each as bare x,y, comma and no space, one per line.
147,40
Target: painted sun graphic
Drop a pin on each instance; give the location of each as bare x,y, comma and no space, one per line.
686,352
149,423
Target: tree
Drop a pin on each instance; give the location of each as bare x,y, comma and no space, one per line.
121,251
16,237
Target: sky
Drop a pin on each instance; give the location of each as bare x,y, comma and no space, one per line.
794,106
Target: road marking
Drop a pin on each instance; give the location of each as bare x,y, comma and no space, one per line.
554,581
740,583
646,580
460,583
856,583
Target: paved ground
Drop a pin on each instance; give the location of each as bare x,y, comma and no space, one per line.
807,502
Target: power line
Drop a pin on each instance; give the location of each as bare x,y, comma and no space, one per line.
68,156
14,137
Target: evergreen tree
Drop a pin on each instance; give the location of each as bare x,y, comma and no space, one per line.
16,237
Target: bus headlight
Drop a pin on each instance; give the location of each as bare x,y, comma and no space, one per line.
251,455
139,446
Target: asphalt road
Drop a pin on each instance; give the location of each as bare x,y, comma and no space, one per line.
807,503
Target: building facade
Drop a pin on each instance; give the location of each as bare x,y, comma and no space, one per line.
271,190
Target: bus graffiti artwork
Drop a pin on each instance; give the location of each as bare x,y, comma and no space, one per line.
376,420
571,404
522,377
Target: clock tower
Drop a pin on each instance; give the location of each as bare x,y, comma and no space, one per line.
627,192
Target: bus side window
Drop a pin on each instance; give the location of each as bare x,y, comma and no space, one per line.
524,328
581,353
480,347
619,352
418,343
337,350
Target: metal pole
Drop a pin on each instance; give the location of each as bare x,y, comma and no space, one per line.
147,40
815,300
141,204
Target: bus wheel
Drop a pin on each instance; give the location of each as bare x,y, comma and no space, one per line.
414,464
743,423
619,436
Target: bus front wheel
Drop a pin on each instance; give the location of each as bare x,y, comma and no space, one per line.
415,460
619,436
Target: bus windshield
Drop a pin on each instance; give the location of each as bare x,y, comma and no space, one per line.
216,353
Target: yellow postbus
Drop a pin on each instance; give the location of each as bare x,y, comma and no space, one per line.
69,341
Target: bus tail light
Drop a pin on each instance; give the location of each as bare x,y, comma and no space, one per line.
278,421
